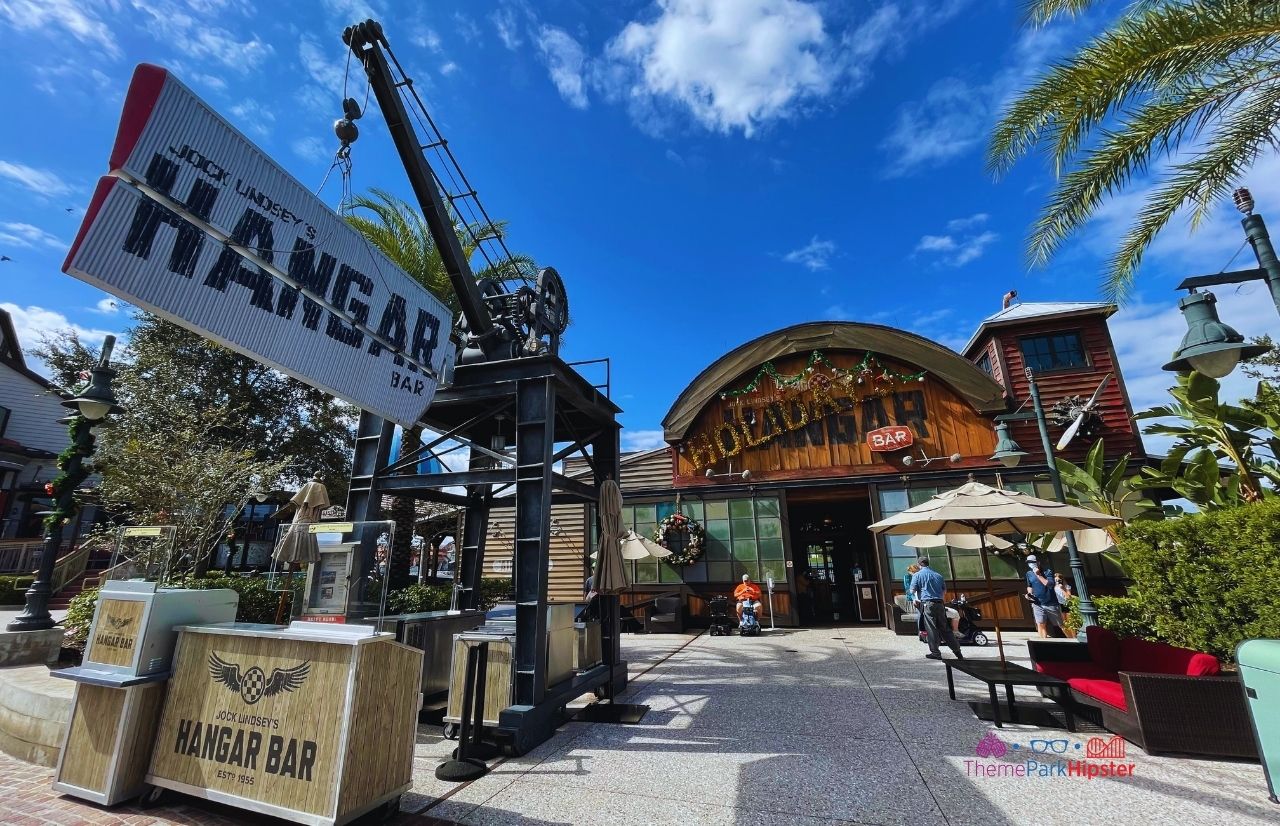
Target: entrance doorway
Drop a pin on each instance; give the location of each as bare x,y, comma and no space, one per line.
833,554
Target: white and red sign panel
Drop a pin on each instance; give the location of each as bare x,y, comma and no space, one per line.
892,437
198,225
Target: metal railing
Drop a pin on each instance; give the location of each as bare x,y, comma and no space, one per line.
21,556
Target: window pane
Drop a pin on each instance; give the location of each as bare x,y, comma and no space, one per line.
719,528
749,568
646,528
771,549
743,528
767,507
966,564
778,570
920,495
717,549
939,560
693,510
718,509
647,571
898,569
719,571
768,527
667,573
1002,567
744,550
898,547
892,501
646,513
740,509
665,509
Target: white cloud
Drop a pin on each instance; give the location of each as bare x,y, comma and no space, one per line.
954,116
426,39
326,73
733,64
961,245
107,306
633,440
311,148
837,312
198,37
467,27
449,68
31,322
961,224
254,117
565,60
508,28
39,181
815,255
69,15
26,235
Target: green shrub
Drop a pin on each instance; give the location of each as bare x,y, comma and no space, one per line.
420,597
257,604
13,589
1124,615
1207,581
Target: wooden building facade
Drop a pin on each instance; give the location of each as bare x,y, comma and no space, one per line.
787,447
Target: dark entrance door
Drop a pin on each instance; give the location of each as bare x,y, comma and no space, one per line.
831,547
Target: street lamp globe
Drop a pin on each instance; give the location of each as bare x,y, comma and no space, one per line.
96,400
1209,346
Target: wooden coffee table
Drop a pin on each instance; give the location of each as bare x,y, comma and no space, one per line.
1008,674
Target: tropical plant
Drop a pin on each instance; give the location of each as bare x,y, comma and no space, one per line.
399,230
1190,88
1208,433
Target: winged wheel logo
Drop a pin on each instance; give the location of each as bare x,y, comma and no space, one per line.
119,623
254,684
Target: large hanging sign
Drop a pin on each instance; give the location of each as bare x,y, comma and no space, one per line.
198,225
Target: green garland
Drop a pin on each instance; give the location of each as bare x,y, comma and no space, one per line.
870,369
675,525
65,481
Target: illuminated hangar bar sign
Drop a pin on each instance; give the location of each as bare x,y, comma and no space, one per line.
199,226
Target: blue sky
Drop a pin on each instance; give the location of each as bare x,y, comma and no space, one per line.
700,172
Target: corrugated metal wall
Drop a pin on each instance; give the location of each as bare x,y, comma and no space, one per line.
567,573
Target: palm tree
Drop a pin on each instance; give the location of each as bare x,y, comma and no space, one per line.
399,230
1187,88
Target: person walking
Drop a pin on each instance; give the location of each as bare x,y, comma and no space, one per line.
1044,600
927,589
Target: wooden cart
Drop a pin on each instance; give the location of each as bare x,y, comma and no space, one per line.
314,723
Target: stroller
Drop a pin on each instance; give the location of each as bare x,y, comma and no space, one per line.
722,619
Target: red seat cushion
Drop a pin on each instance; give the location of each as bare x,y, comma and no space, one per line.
1104,647
1107,691
1072,670
1158,658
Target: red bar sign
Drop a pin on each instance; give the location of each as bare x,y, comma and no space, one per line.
893,437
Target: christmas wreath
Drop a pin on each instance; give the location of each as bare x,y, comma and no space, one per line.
695,539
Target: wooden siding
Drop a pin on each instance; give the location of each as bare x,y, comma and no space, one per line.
33,412
942,423
1118,428
568,549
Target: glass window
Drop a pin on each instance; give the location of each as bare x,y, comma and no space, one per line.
743,528
720,571
717,549
647,514
647,570
718,528
984,363
777,569
771,549
740,509
768,527
893,501
4,419
744,550
768,507
665,509
1058,351
717,510
693,510
918,496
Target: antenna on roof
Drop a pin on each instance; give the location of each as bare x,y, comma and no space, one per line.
1009,298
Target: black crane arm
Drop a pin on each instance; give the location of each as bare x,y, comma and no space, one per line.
368,43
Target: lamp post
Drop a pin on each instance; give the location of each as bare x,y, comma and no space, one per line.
1009,454
1209,346
90,408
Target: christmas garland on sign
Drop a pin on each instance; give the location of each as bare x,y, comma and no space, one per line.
868,372
677,524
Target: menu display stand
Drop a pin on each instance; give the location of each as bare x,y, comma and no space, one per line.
314,722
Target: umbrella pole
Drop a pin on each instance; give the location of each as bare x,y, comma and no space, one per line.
991,594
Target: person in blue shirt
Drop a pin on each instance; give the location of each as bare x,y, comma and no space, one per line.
1043,596
927,589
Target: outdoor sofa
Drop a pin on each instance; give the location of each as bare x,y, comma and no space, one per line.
1157,696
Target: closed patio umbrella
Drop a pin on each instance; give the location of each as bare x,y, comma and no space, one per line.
609,575
975,508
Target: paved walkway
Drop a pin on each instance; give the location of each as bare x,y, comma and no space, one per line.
806,727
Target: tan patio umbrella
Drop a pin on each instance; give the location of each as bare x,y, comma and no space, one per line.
963,541
975,508
609,575
1091,541
635,546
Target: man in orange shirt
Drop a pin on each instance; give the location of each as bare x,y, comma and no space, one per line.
747,591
